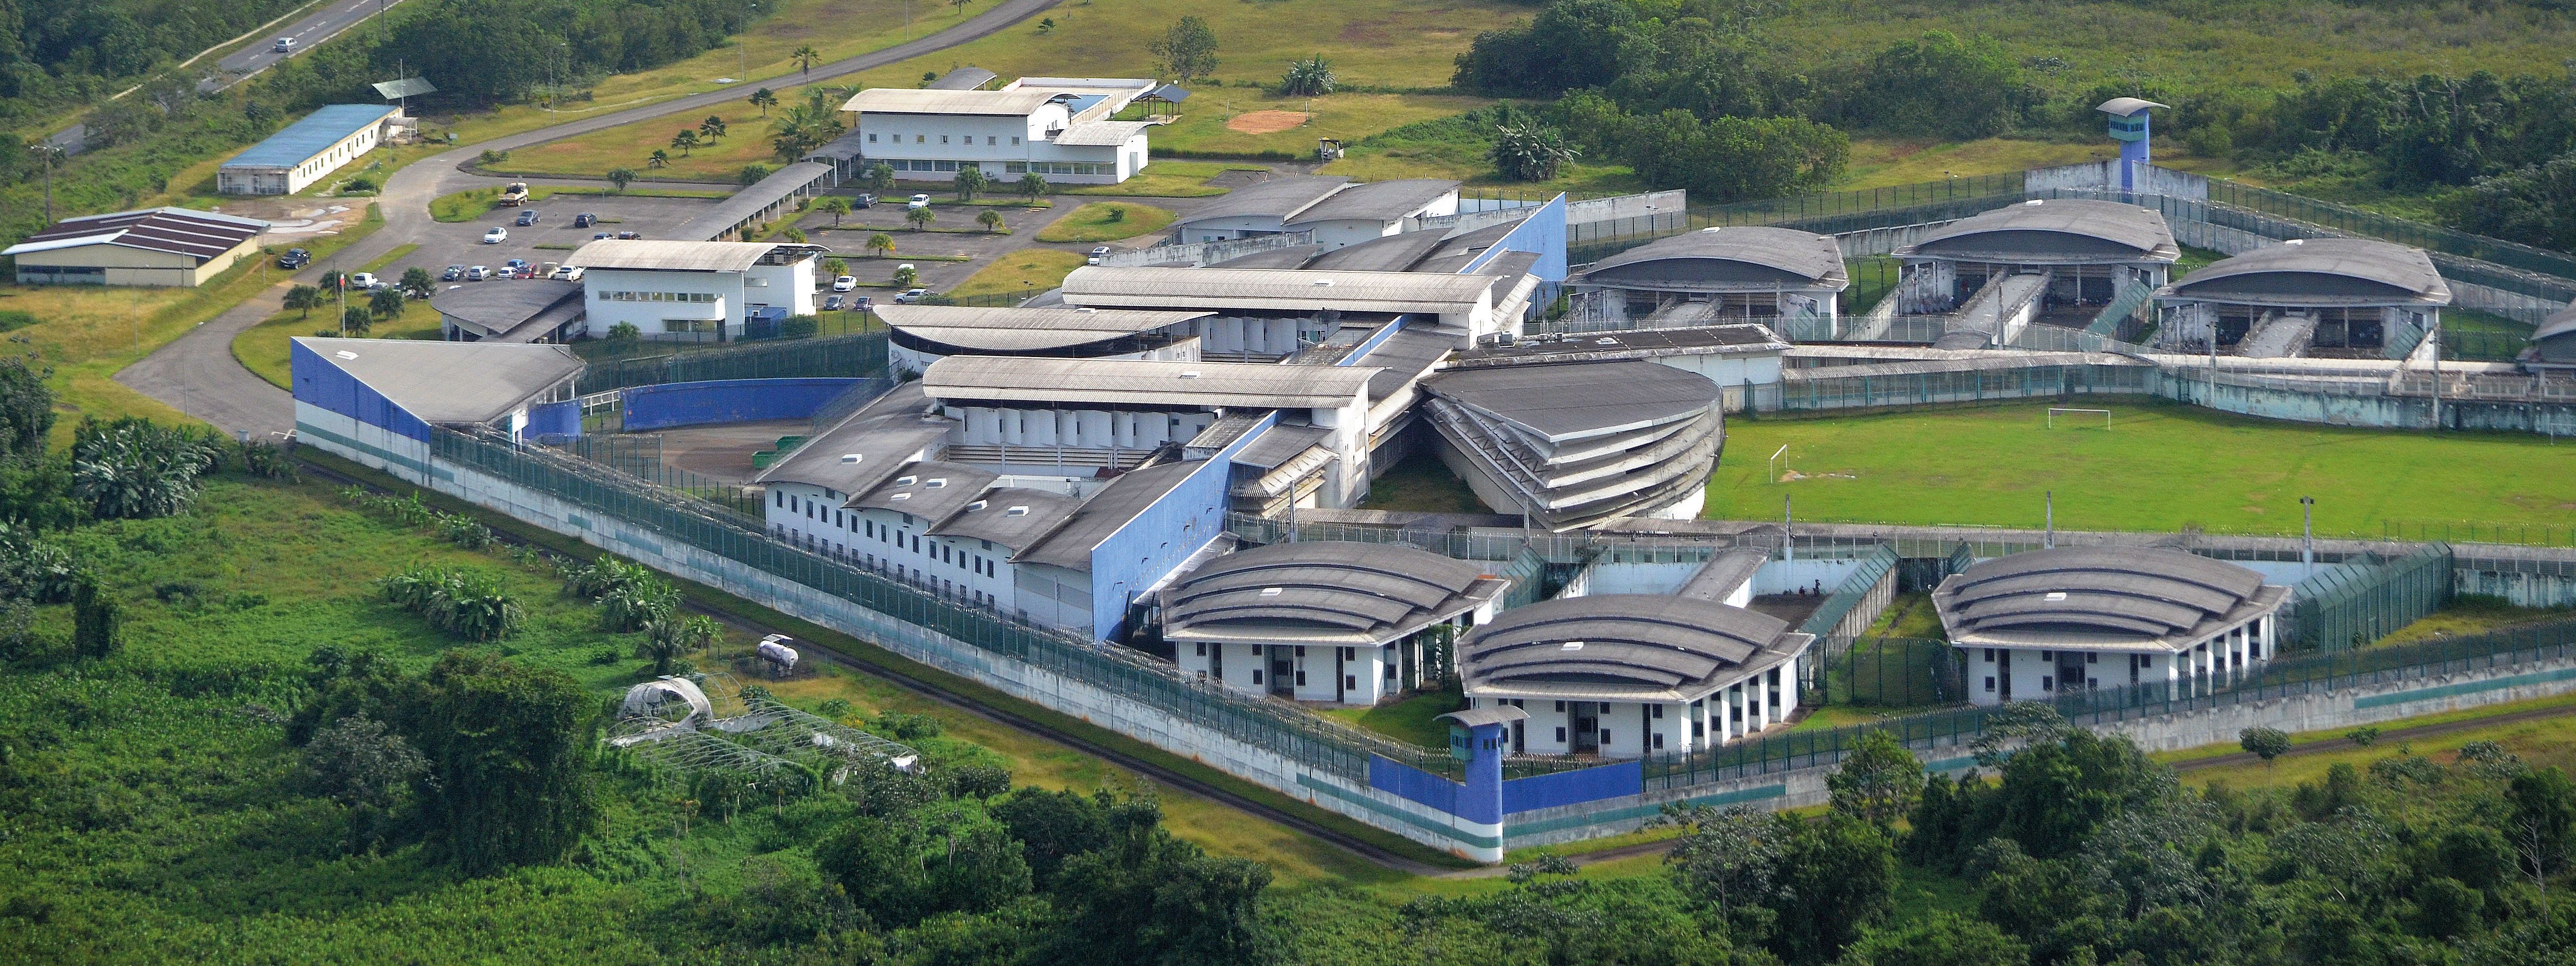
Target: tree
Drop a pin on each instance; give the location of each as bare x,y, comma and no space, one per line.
659,159
133,468
1148,897
673,636
835,206
356,320
1878,782
1312,77
751,174
1186,50
96,621
805,57
1527,152
2264,743
625,332
713,128
1033,185
26,411
990,219
920,218
2543,807
1728,857
836,267
509,759
881,243
621,177
685,140
970,179
386,303
880,178
1046,25
357,762
764,99
304,298
906,276
1940,939
960,4
793,234
417,281
1834,878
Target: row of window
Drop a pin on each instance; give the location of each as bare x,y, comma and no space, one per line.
1057,167
941,551
701,297
990,140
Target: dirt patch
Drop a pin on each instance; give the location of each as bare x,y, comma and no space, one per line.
1265,122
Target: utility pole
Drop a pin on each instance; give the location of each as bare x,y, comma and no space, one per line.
2050,540
46,147
2307,537
1788,535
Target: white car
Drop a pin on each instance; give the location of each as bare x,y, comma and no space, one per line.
477,273
284,45
1096,255
918,201
911,296
845,283
569,273
496,236
362,280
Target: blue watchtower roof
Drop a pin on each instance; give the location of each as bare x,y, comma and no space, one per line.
310,136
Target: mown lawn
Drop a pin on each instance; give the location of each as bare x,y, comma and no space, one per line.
631,146
1165,178
1102,221
263,348
1414,720
1421,483
2542,742
2161,466
1030,270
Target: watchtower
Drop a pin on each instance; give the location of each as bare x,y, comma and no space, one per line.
2129,127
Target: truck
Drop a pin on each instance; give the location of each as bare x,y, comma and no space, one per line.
514,195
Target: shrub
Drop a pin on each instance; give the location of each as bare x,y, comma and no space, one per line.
2264,743
464,531
635,607
463,603
268,461
133,468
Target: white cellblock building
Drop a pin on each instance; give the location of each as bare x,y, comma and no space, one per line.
923,334
1058,127
1265,314
1335,210
1323,621
2036,624
692,290
1630,675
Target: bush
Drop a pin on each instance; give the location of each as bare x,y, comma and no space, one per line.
635,607
466,604
133,468
268,461
905,727
2264,743
464,531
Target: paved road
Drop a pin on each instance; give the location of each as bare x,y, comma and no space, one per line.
335,16
197,373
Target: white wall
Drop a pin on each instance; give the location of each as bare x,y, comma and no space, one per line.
604,312
789,286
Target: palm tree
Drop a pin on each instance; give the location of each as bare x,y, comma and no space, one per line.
835,206
990,219
880,178
685,140
621,177
386,303
658,159
1308,78
881,243
970,179
764,99
906,276
805,57
303,298
713,128
1033,185
919,217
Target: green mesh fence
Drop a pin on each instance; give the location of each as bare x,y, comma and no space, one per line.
1914,389
2352,603
851,355
1855,590
1888,672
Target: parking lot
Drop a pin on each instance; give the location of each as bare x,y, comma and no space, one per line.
461,243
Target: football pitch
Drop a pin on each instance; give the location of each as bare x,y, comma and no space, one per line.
2159,466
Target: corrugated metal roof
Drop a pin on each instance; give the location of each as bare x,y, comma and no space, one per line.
1405,356
1368,592
2123,594
1023,329
1804,254
1280,198
2126,225
2386,263
1579,400
779,186
1293,256
177,231
1393,253
316,133
1642,644
2557,324
963,79
1186,385
1100,134
451,382
868,447
1385,201
1013,517
498,308
1278,445
1258,288
903,100
1101,516
1633,343
670,256
930,489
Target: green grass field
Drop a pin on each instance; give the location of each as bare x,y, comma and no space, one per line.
1421,483
1026,270
1093,222
2161,466
263,348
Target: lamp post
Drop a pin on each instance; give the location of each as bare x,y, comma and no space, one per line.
2307,537
46,147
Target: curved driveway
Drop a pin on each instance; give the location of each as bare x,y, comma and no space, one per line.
197,374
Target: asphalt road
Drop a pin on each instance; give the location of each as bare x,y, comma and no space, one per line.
335,16
197,374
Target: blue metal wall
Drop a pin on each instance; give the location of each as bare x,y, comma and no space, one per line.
321,382
554,419
1156,540
1543,234
1574,787
728,401
1415,785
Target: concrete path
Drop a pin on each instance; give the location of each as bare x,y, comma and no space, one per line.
197,373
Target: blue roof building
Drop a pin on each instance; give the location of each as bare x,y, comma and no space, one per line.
307,150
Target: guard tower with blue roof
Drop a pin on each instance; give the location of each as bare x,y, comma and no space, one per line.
2129,127
292,159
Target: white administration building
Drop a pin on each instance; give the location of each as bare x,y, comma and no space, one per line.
1057,127
692,290
2035,624
293,159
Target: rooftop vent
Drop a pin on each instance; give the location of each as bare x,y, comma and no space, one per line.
935,484
1572,645
1605,340
1017,511
1189,373
851,457
906,480
1270,592
900,496
345,354
977,505
2057,595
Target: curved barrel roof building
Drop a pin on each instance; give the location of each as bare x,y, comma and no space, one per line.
1572,445
1321,621
1632,674
2068,607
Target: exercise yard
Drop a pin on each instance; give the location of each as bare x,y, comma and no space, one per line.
2160,466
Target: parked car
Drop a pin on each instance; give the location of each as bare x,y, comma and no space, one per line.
295,258
527,217
496,236
628,236
505,272
918,201
517,264
584,220
845,283
362,280
1096,255
833,304
911,296
477,273
600,235
284,45
864,200
452,273
906,267
569,273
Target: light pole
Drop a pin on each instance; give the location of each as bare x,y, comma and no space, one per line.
46,147
2307,537
2049,540
742,46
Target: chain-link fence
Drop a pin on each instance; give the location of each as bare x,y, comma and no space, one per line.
1828,392
2360,600
727,532
863,354
821,325
1886,672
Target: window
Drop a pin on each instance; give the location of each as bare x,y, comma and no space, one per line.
1605,737
1202,648
1301,679
1256,675
1659,741
872,137
990,140
2048,682
943,139
921,139
1990,655
1350,682
2048,655
1990,684
1699,728
2091,657
1560,732
1560,706
1655,711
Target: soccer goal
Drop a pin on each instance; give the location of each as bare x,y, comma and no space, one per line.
2079,418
